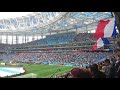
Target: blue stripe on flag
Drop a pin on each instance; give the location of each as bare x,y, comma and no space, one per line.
105,41
114,31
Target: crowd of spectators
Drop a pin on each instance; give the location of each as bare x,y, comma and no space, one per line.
65,38
4,48
61,40
109,68
91,64
84,37
54,39
71,58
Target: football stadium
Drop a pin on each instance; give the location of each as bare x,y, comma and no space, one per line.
59,45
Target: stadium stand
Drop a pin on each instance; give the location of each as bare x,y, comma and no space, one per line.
66,40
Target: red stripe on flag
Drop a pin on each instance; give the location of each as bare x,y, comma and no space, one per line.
95,46
100,29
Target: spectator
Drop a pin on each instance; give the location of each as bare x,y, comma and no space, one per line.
107,68
95,72
112,69
118,72
117,66
79,73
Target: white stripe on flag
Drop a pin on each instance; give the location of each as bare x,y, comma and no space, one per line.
100,43
108,30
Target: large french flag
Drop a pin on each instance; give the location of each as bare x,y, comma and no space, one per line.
100,43
106,28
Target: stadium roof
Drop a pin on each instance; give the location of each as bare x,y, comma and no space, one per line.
47,22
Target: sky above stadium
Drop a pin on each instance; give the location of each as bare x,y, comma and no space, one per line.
5,15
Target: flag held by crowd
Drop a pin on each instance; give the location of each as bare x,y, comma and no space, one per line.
100,43
106,28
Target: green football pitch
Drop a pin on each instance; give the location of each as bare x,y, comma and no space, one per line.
45,71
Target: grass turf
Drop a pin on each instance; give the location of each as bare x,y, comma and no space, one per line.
44,71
